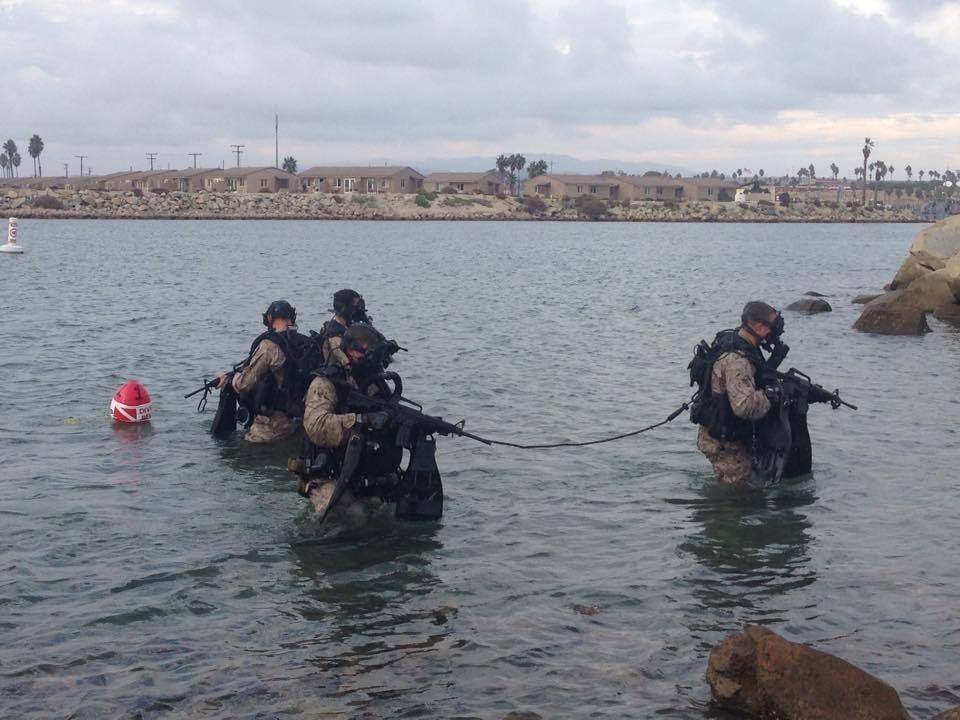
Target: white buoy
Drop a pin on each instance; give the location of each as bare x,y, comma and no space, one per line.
11,246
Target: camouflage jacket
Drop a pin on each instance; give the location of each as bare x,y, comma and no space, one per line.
323,425
268,357
733,375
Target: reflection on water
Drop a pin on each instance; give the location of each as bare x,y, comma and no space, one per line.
752,546
366,597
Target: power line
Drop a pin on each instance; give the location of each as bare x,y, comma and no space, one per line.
194,156
66,170
82,158
151,156
238,151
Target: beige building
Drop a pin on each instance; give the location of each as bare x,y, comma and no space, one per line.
387,179
605,187
113,181
478,183
251,180
713,189
188,180
651,187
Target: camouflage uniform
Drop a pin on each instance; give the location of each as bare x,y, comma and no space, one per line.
327,429
332,352
268,357
734,376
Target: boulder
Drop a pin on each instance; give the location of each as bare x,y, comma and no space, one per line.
953,266
915,265
889,314
931,291
760,674
810,305
941,239
949,313
864,299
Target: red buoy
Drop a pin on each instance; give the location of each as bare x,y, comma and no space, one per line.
131,403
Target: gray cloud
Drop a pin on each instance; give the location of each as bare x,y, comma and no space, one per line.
198,76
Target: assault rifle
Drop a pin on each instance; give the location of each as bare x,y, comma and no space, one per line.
209,385
408,416
797,384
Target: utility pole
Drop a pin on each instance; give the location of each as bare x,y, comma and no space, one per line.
66,170
194,156
82,158
238,150
151,156
276,139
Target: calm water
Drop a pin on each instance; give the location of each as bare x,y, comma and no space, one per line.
156,572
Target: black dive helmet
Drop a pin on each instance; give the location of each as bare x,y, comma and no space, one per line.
760,312
377,355
350,305
280,309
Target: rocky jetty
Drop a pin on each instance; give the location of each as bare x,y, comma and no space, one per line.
928,281
761,675
106,204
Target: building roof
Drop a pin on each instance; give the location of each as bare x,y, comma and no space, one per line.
189,172
242,172
460,177
652,180
372,171
580,179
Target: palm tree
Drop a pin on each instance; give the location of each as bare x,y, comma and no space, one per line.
35,147
890,170
921,174
502,164
3,163
867,148
760,172
537,168
909,171
15,161
289,164
812,170
879,169
517,163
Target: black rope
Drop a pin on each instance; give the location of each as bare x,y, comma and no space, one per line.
670,418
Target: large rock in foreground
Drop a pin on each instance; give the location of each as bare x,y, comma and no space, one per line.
892,314
941,240
759,673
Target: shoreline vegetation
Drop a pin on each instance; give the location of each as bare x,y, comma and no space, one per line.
126,205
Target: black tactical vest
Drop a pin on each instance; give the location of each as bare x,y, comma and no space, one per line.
714,411
287,396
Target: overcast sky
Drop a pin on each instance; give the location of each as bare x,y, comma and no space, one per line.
773,84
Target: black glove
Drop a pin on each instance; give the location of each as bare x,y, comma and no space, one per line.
373,420
774,394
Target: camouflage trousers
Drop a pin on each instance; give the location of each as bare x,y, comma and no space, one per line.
350,511
270,428
731,461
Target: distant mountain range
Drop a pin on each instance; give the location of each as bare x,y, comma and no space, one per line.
561,164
